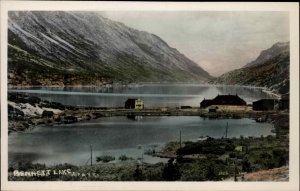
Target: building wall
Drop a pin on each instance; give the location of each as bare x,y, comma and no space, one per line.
130,104
264,105
134,104
139,104
284,104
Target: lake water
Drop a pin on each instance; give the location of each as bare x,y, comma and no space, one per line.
153,95
70,143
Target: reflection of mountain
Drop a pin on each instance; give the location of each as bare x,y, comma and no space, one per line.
270,69
69,48
171,89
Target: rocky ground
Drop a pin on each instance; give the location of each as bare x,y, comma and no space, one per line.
276,174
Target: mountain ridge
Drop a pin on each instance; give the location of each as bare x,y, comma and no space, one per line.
267,70
276,49
90,46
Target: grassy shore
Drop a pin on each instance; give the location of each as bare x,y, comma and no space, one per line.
209,160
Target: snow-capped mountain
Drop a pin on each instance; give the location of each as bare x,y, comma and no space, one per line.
83,47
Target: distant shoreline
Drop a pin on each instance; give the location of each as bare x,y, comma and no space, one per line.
10,87
264,89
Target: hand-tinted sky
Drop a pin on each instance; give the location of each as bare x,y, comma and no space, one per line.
217,41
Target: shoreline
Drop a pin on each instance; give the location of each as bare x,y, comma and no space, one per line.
30,112
12,87
80,114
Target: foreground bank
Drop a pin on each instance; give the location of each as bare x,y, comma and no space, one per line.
211,159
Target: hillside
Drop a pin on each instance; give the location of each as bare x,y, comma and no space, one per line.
270,70
275,50
84,48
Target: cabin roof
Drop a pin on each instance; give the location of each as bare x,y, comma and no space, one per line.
223,99
227,97
265,100
207,101
132,99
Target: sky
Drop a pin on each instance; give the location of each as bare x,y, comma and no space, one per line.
217,41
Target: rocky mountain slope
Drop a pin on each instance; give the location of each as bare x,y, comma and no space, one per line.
270,69
72,48
275,50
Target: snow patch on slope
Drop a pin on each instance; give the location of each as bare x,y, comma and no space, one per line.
63,41
15,27
30,110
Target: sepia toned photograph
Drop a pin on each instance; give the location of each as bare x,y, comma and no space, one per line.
147,95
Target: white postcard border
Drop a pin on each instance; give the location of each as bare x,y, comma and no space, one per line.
292,8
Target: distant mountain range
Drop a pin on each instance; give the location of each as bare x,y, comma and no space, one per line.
270,69
84,48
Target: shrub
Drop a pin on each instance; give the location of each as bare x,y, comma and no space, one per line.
171,171
280,157
124,158
105,158
246,165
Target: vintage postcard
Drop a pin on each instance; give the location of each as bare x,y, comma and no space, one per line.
149,96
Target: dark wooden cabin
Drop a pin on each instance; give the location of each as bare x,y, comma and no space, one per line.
264,105
130,104
284,103
134,103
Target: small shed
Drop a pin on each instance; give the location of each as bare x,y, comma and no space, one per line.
185,107
134,103
264,105
284,103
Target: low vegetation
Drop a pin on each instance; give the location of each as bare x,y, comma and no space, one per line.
105,158
212,159
125,158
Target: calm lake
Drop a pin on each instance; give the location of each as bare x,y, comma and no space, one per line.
116,136
119,135
153,95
